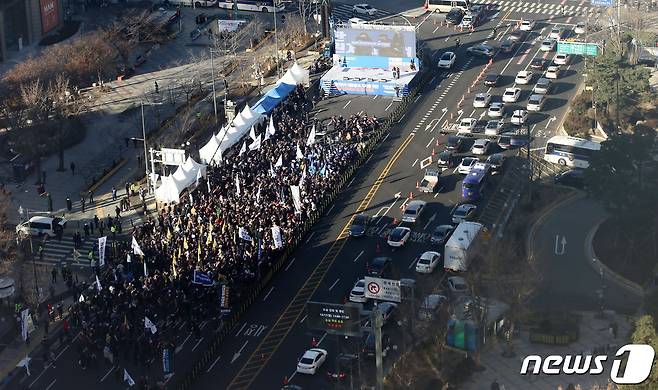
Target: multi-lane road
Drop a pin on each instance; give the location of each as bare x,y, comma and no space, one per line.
264,346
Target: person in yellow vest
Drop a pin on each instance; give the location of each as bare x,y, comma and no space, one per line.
90,256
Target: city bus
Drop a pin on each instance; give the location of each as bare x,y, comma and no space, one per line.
474,183
447,5
252,5
570,151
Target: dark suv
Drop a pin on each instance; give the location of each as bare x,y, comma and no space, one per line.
455,144
455,16
380,267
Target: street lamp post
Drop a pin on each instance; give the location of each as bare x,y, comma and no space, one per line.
212,74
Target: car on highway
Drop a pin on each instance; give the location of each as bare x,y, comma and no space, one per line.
467,125
581,28
482,50
494,127
463,212
359,225
481,100
381,266
511,95
454,16
311,361
456,144
445,160
517,35
398,237
536,102
491,79
468,21
543,86
413,211
441,234
358,292
548,45
355,20
496,110
561,59
508,45
556,33
519,117
466,164
428,262
457,286
513,141
497,162
527,25
481,146
571,178
523,77
538,63
553,72
364,9
477,10
504,142
447,60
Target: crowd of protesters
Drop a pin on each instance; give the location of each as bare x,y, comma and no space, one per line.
222,229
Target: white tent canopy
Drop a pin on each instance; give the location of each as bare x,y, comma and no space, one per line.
300,74
174,184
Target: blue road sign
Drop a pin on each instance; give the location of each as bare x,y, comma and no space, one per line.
603,3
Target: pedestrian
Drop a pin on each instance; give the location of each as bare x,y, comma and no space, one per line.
113,229
50,202
72,168
82,204
91,227
90,256
69,204
495,385
457,42
114,193
117,210
91,196
127,189
157,88
96,221
86,230
54,274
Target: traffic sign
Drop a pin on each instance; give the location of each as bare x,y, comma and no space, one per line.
603,3
334,318
578,48
383,289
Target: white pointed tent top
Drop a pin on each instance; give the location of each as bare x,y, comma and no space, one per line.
288,78
248,114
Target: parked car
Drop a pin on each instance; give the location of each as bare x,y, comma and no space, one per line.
358,292
571,178
458,286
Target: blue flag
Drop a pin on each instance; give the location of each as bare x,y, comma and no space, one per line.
202,279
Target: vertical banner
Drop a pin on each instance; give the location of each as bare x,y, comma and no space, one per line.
24,315
224,298
101,250
296,198
166,360
49,15
276,237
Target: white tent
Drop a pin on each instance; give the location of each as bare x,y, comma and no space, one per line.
288,78
184,177
248,114
300,74
169,191
210,153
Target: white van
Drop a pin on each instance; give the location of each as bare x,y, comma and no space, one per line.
40,225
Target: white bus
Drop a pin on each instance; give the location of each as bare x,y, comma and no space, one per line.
252,5
570,151
447,5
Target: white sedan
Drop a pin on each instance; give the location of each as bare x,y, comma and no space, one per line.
482,100
552,72
523,77
527,25
428,262
580,28
364,9
555,33
561,59
467,163
398,237
496,110
519,117
358,293
447,60
467,125
511,95
548,45
311,361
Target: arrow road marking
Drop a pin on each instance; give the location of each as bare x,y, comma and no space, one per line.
560,245
432,123
237,354
548,123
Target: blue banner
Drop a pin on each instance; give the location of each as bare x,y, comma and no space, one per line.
603,3
166,360
202,279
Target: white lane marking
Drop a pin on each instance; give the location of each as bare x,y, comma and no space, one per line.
180,347
347,104
330,208
237,354
429,143
413,262
375,97
289,264
268,293
389,106
351,181
108,373
61,352
310,237
357,257
303,318
212,365
197,344
321,339
51,384
414,164
334,285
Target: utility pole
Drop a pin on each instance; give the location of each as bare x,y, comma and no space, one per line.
376,322
276,43
212,74
146,159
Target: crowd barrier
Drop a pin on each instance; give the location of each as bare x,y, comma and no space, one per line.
209,354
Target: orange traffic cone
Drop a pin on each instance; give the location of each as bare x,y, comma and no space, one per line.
433,152
411,195
314,342
437,141
417,184
285,380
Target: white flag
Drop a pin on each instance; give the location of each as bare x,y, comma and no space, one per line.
296,197
279,162
136,249
237,185
82,298
98,284
149,325
198,176
258,194
300,155
270,128
244,234
256,144
311,137
272,171
252,133
243,148
301,179
276,237
25,362
128,257
101,250
145,272
128,378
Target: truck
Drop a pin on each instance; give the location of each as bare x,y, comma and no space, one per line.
430,180
461,246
